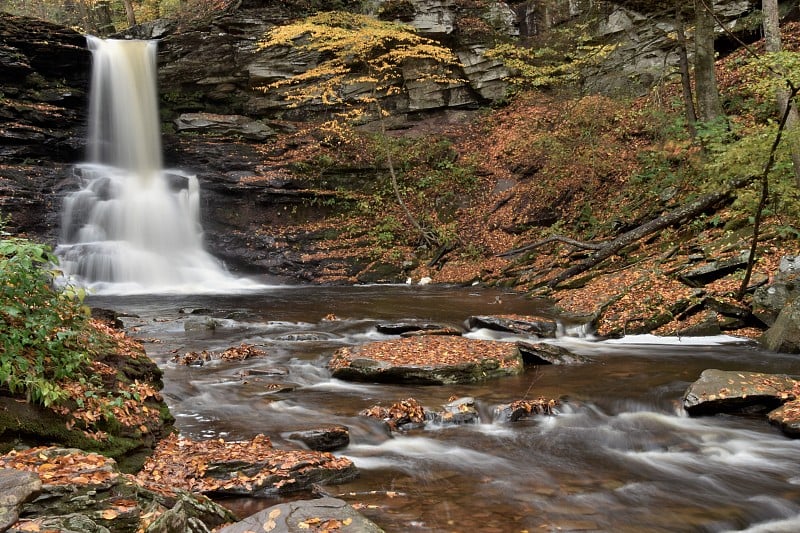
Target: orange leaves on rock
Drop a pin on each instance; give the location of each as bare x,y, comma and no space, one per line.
125,404
235,353
540,406
244,466
429,351
124,345
318,525
57,466
403,412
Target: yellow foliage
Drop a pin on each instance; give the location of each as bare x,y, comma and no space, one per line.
362,57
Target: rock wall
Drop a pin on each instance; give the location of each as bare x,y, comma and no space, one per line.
45,76
217,66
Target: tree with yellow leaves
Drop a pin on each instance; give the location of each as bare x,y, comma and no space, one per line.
362,62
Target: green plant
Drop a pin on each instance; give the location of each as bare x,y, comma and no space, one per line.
44,330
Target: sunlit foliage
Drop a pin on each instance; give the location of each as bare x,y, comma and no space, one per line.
358,51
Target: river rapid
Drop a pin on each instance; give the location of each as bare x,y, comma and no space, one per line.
621,455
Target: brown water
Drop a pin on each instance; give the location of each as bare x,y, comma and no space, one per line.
620,456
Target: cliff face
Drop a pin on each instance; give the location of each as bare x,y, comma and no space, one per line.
42,118
217,66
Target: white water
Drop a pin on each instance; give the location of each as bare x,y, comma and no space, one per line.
133,227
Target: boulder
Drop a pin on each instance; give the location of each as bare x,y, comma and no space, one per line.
522,409
784,335
301,516
543,353
723,391
17,487
325,439
523,324
787,417
403,415
769,300
457,412
431,360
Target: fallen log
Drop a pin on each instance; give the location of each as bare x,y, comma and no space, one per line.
610,248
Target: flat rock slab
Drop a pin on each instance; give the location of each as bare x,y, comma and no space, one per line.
77,491
302,516
724,391
429,360
245,468
524,324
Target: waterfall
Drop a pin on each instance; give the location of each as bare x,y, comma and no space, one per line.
133,227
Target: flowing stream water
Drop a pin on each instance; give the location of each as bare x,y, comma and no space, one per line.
620,456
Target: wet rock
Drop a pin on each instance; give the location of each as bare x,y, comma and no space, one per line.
522,324
405,327
127,439
85,492
457,412
721,391
431,360
440,331
16,488
787,418
404,415
109,316
326,439
707,326
784,335
275,388
302,337
201,323
300,516
243,468
522,409
224,125
194,311
543,353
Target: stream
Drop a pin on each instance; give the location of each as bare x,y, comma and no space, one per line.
620,455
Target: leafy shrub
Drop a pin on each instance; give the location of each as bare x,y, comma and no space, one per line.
44,330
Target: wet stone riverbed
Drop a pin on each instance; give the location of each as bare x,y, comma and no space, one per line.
620,455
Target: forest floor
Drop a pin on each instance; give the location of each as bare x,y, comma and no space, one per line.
584,167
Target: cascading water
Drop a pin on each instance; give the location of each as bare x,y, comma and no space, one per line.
133,226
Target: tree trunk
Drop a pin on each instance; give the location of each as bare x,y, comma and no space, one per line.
686,80
129,14
708,100
772,43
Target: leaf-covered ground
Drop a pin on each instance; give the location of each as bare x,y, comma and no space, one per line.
586,167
